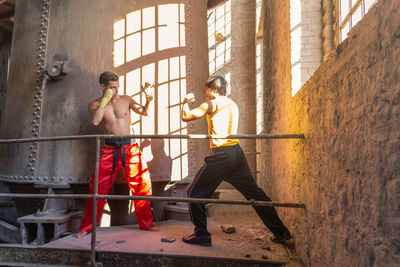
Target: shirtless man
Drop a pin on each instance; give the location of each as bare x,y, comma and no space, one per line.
111,112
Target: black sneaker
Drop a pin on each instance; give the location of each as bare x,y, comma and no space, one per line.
197,240
282,237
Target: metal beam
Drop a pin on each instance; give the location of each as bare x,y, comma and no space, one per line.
153,136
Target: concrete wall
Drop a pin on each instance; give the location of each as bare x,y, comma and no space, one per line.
347,169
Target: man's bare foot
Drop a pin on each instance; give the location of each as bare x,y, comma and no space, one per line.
81,234
154,229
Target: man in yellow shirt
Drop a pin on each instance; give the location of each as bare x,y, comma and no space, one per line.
226,163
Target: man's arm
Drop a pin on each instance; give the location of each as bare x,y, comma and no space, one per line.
96,108
96,113
197,113
139,109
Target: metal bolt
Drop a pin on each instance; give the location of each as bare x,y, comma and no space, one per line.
36,134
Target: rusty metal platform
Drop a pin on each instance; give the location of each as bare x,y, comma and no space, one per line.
130,246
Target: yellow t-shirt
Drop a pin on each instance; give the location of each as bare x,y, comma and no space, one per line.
223,121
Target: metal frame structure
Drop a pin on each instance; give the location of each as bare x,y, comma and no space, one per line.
95,196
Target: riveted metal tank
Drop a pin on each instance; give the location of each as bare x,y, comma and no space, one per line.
59,49
162,41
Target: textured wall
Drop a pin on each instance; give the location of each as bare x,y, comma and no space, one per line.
347,170
5,47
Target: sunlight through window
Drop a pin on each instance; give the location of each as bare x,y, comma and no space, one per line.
350,13
137,40
295,43
219,40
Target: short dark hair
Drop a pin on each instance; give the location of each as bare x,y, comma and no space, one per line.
217,83
108,76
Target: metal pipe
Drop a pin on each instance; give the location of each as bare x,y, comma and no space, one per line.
154,136
156,198
94,215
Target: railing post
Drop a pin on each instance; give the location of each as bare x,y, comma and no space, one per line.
95,191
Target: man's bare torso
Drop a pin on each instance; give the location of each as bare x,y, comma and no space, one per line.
117,116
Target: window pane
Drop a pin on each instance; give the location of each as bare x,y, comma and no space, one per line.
119,29
182,13
148,17
133,22
174,68
174,95
344,32
133,83
119,52
149,45
163,71
168,32
353,3
356,17
163,109
344,9
368,4
182,35
133,46
183,66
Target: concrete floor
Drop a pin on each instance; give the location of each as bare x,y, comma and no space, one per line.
247,243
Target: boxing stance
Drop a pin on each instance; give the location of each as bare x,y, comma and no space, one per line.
111,112
226,163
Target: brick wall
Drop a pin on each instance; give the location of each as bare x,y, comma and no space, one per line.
347,170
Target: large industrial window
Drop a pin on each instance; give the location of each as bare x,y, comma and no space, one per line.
351,12
219,36
149,46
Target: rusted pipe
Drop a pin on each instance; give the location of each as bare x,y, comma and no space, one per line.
156,198
154,136
95,197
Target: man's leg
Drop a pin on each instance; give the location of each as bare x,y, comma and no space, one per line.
138,177
203,185
104,186
243,181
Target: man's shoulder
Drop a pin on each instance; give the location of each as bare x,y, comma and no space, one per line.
94,103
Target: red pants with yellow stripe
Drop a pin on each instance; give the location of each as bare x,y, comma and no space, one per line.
129,158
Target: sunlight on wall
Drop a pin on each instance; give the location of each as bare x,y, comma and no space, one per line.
295,43
138,39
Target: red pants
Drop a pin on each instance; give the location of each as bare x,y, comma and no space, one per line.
138,178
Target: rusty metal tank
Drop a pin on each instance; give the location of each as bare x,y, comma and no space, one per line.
162,41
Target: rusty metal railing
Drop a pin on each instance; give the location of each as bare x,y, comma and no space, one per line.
95,196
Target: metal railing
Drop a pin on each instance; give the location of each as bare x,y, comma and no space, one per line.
95,195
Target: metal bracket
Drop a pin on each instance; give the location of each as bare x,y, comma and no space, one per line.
57,70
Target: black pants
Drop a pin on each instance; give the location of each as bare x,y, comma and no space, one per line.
229,164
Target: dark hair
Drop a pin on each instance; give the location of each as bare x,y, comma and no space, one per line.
217,83
107,77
